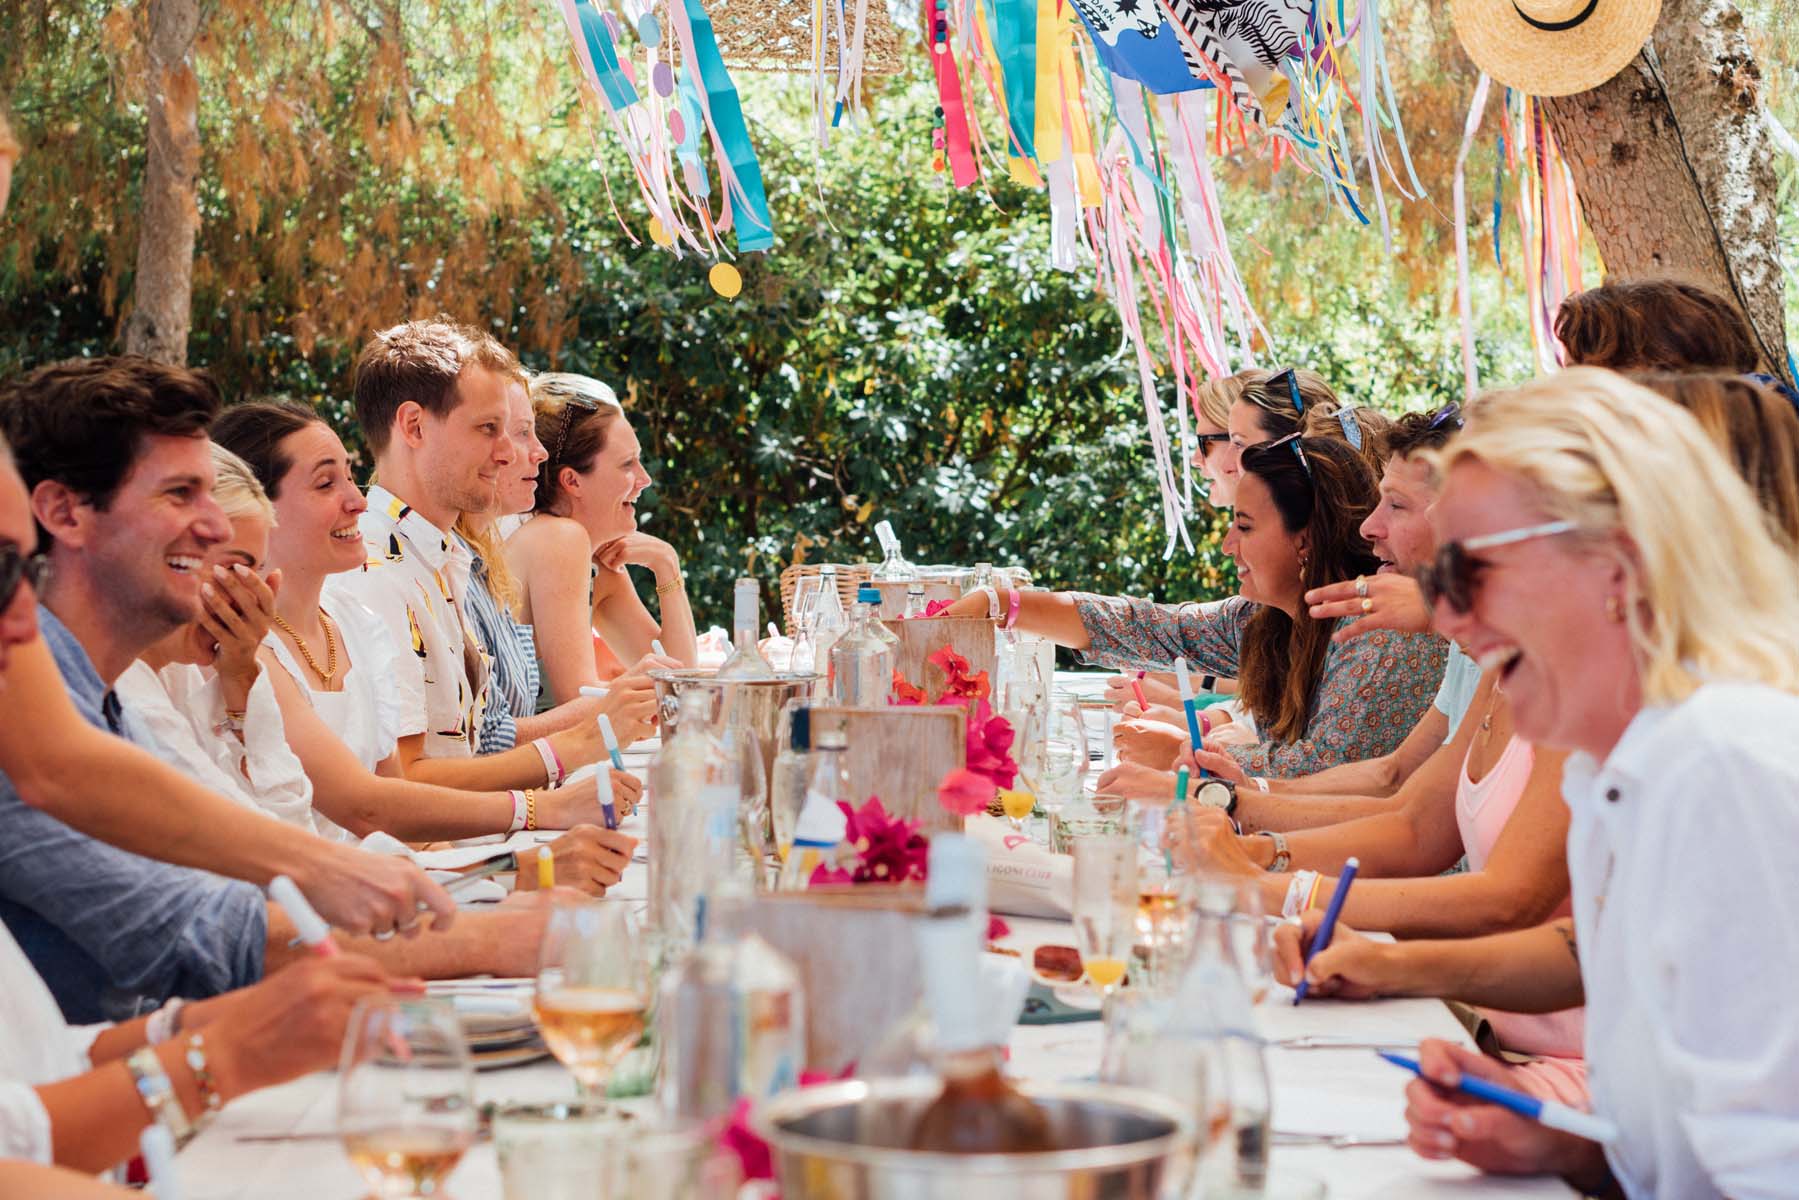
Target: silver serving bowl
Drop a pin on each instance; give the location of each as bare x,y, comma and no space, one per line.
846,1141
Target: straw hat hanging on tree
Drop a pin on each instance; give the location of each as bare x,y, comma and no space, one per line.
1553,47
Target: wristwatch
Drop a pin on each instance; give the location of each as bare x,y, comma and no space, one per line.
1208,683
1220,794
1281,857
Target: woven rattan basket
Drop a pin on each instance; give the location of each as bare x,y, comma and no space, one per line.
850,576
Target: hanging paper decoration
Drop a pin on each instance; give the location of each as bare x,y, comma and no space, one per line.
1549,222
1114,107
689,94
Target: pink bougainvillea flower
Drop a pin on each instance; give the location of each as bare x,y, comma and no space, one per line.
753,1157
936,608
997,928
889,850
824,875
990,746
965,792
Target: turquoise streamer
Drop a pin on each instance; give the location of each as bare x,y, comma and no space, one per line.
613,85
749,211
1014,25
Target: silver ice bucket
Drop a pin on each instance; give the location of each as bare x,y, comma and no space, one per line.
846,1141
759,701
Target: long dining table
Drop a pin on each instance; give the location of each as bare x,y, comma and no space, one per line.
277,1144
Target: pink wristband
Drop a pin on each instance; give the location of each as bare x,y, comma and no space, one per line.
1012,610
1205,726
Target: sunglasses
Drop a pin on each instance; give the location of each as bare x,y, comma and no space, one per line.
18,567
1288,379
1299,452
1453,574
569,407
1199,441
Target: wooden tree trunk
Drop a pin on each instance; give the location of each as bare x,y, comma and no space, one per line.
1674,165
162,296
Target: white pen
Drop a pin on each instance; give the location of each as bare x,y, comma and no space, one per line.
594,690
158,1148
603,782
656,648
310,927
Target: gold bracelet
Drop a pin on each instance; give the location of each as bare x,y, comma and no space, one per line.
530,808
679,581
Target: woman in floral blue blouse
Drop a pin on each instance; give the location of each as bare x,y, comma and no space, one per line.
1316,703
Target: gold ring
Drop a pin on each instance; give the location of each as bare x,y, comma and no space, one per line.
1361,587
1367,606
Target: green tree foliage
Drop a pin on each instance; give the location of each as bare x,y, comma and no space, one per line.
905,352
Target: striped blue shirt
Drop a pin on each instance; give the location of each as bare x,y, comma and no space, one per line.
512,684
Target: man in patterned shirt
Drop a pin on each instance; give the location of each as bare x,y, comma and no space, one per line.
431,398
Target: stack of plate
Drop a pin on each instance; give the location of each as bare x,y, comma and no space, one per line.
496,1020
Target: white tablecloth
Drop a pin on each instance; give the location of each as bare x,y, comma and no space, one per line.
1315,1090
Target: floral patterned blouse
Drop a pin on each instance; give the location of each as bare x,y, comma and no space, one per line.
1374,687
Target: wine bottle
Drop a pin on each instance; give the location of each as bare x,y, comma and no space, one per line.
915,602
695,790
978,1111
894,567
746,661
819,833
861,662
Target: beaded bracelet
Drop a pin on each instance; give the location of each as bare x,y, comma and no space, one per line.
157,1092
195,1057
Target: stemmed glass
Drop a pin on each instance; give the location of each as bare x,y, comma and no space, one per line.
1105,906
405,1096
593,989
1245,928
805,612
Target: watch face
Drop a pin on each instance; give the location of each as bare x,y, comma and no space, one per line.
1213,794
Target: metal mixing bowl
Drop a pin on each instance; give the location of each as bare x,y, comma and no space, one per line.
845,1141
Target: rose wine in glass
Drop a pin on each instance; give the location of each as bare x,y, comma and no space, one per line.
405,1095
592,990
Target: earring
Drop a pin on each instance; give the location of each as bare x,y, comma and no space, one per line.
1614,610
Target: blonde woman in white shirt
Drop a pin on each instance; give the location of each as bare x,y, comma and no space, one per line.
1600,553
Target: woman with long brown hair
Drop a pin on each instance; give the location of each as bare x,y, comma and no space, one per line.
1299,504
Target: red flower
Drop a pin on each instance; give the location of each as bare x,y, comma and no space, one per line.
990,745
937,607
997,927
958,683
965,793
905,692
753,1157
888,850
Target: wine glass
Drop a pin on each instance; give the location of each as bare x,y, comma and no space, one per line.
1105,906
805,612
593,989
405,1095
1166,915
1247,930
1017,805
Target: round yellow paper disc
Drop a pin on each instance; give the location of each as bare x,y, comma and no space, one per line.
725,280
659,234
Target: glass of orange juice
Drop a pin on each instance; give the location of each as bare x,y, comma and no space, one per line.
1105,906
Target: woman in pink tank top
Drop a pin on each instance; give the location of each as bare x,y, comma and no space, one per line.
1556,1070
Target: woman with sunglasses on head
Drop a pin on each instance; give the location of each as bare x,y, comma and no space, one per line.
1649,631
572,555
1316,703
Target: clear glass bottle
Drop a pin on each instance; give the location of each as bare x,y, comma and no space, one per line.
894,567
693,800
978,1111
828,624
862,661
746,661
750,853
819,832
871,596
792,778
983,576
915,601
1214,982
730,1020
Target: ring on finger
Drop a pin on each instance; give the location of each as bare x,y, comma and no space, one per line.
383,935
1367,606
1361,586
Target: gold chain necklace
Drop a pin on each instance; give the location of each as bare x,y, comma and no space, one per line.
330,670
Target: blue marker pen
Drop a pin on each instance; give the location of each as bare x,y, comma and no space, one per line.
1188,706
1546,1112
611,739
1332,911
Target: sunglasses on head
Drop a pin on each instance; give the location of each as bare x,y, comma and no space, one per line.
18,567
1288,379
1299,452
569,407
1452,575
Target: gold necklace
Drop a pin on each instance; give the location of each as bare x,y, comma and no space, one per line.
330,671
